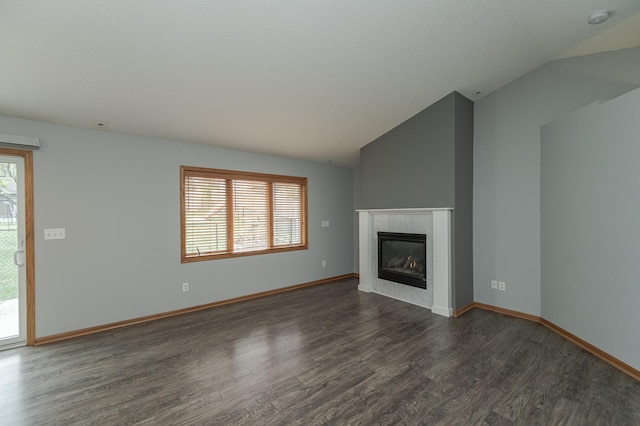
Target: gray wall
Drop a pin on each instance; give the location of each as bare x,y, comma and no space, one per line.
590,234
356,230
118,198
412,165
506,194
427,162
463,203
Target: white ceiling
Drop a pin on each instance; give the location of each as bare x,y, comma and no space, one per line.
315,80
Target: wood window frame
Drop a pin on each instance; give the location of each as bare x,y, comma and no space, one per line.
229,176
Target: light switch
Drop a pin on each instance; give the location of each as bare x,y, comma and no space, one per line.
54,234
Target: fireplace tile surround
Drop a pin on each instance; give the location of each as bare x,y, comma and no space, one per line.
435,223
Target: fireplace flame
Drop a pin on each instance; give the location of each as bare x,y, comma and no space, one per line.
410,263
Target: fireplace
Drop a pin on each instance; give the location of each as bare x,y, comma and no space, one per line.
402,258
435,223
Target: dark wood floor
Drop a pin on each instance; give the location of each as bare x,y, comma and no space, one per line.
322,355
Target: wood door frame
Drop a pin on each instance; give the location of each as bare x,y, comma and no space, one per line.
29,240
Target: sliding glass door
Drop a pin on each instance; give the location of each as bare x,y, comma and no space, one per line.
13,306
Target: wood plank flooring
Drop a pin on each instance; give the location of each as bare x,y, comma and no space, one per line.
321,355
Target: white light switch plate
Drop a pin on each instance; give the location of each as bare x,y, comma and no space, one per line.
54,234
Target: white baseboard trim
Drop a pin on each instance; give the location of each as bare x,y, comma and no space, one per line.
441,310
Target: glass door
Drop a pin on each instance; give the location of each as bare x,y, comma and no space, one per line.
13,305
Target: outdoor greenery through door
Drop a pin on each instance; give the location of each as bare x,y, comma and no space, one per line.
9,282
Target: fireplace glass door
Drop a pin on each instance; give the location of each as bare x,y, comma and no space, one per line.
402,258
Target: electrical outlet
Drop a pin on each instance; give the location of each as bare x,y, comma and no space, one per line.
502,286
185,286
324,263
494,284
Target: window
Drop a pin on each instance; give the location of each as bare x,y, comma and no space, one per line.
225,213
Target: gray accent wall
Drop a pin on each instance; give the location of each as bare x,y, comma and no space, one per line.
412,165
427,162
356,231
590,235
118,198
506,194
463,204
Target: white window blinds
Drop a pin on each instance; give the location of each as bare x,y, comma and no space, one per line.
226,213
287,214
205,215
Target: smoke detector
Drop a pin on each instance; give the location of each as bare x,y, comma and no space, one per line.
599,17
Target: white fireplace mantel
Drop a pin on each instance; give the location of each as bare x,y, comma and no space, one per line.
439,222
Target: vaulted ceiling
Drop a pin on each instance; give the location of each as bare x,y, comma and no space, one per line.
307,79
